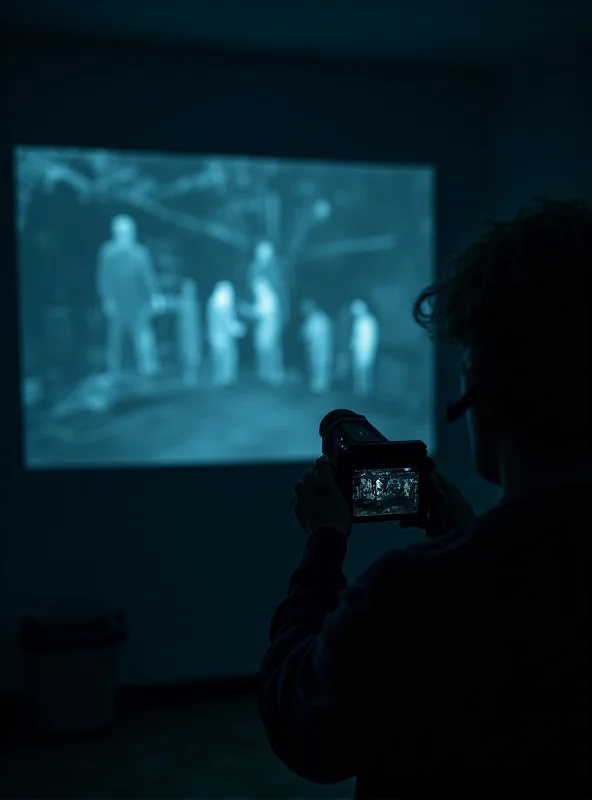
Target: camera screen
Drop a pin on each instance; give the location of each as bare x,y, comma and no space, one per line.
382,492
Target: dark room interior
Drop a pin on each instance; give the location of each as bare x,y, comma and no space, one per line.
496,98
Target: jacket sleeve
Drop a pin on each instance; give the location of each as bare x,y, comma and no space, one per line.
311,679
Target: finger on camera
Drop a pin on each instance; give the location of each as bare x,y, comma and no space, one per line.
430,464
436,487
445,483
405,525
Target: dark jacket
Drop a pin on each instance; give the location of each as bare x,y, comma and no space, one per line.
458,666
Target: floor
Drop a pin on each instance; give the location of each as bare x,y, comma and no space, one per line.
213,748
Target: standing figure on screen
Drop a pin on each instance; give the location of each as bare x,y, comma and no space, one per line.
189,334
267,333
128,291
317,333
364,344
264,261
223,331
265,264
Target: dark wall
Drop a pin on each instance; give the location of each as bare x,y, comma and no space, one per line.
198,566
542,132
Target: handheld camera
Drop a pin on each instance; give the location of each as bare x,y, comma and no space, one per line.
381,480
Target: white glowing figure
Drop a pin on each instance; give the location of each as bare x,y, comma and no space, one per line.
189,332
127,288
267,333
265,264
264,253
317,333
363,348
223,330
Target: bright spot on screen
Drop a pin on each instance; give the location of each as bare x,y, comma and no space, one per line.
199,310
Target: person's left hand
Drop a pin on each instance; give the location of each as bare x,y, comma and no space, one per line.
158,303
319,503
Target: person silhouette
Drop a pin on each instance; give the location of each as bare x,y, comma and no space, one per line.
223,331
266,264
267,333
128,292
317,333
363,347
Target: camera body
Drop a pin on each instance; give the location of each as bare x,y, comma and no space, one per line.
381,480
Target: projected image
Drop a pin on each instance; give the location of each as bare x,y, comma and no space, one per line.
181,310
379,492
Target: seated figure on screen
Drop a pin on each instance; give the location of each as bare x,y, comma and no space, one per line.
189,332
317,333
363,347
128,292
266,312
223,331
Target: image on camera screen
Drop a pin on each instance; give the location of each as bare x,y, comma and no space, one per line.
382,492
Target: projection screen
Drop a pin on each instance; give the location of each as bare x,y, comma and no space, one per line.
201,310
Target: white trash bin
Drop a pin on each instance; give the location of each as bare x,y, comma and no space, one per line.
72,668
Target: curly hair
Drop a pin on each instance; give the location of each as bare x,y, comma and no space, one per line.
517,298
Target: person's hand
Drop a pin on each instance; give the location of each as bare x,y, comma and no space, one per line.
238,330
108,308
158,303
448,508
319,503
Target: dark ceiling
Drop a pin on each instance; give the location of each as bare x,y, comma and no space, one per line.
492,31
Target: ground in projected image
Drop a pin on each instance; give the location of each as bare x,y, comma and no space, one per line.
181,309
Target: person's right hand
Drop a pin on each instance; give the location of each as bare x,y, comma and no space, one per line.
108,308
448,508
158,303
238,330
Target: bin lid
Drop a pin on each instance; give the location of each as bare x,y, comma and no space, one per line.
55,627
68,609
